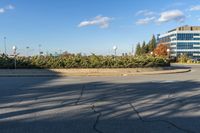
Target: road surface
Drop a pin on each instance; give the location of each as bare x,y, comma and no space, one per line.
141,104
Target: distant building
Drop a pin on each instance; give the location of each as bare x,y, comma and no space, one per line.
182,40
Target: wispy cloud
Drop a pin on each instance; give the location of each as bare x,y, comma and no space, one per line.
145,13
195,8
171,15
2,10
6,8
159,18
145,21
101,21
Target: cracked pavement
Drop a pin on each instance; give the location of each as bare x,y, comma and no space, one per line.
141,104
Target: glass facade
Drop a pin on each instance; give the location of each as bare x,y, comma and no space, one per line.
166,38
182,42
187,45
185,36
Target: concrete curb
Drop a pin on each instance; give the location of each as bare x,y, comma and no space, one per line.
132,74
186,64
99,73
167,72
29,75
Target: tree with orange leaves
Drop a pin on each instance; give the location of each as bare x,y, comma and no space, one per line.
161,50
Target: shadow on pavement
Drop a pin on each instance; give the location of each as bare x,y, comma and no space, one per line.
174,67
54,106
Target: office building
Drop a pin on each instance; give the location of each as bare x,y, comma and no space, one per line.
182,40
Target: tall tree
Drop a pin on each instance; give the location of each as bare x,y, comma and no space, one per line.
145,48
152,44
138,49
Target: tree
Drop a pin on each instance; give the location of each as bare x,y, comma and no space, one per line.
152,44
143,50
147,49
138,49
161,50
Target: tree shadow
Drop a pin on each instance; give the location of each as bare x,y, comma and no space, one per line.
50,105
174,67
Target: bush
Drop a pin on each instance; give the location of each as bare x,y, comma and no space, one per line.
79,61
183,58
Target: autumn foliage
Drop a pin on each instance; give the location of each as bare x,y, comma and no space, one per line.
161,50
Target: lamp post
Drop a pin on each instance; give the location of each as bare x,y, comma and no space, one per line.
168,52
5,46
27,50
115,50
133,49
15,54
40,52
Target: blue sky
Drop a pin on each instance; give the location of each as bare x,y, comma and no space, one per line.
90,26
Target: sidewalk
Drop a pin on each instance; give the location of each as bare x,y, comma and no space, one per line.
89,72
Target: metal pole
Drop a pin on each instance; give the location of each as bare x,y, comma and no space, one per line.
133,50
15,63
5,45
40,49
27,50
15,55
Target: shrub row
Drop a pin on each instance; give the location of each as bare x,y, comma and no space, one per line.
79,61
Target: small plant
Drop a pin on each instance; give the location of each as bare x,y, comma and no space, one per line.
183,58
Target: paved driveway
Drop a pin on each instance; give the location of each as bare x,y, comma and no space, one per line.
142,104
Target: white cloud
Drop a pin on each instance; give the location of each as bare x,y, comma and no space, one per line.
146,20
101,21
8,7
195,8
145,13
2,10
171,15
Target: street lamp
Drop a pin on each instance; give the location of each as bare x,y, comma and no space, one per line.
27,50
115,49
168,52
133,49
15,54
5,45
40,52
14,49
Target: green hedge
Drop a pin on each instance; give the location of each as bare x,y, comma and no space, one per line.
79,61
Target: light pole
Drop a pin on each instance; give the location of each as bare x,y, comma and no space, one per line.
133,49
40,52
115,50
15,54
60,50
27,50
5,46
168,52
152,53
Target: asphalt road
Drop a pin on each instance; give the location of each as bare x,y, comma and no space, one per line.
141,104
